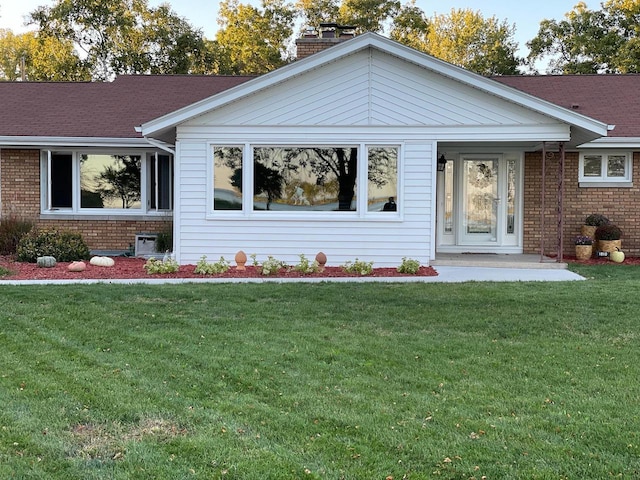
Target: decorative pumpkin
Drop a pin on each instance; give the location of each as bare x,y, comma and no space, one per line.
46,262
617,256
102,261
77,267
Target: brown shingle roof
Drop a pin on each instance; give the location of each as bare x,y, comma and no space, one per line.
107,110
612,99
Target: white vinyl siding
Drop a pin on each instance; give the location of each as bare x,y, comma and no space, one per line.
369,98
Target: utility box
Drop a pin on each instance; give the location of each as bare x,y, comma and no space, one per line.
146,245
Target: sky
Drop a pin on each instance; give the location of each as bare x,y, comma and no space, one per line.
203,13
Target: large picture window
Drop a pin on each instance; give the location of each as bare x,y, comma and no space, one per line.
124,182
605,167
305,178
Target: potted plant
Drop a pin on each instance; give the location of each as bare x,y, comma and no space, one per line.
584,247
608,237
592,222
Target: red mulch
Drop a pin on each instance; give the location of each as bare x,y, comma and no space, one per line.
601,261
130,267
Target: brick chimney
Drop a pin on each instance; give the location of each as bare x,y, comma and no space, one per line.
330,34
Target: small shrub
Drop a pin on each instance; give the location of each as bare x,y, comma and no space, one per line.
5,272
12,229
608,232
596,220
305,266
168,265
271,266
409,265
65,246
254,260
204,268
164,240
359,267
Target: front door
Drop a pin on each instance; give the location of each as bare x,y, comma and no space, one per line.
480,201
479,204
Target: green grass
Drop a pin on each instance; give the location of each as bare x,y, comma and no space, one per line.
355,381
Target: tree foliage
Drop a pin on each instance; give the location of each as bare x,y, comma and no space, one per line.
462,37
38,59
591,41
123,36
254,40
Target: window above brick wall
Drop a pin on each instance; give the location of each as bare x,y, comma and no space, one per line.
603,168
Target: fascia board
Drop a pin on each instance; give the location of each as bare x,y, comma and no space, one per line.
393,48
613,142
25,141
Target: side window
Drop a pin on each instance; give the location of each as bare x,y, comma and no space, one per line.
382,174
61,181
227,177
160,182
611,168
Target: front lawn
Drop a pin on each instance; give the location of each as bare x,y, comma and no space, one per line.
288,381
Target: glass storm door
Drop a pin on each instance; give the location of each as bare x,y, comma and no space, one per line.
480,200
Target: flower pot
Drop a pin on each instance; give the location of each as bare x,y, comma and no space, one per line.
588,231
609,245
584,252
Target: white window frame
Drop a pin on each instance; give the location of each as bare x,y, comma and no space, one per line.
361,211
603,180
146,183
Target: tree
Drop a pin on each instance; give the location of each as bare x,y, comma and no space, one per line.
121,181
590,41
123,36
411,27
464,38
38,59
265,180
254,40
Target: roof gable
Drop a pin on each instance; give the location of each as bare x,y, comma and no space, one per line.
370,88
368,42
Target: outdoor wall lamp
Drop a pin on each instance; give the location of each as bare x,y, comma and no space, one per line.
442,163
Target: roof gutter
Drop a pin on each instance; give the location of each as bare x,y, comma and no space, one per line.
167,147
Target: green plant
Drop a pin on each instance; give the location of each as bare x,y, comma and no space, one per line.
272,265
596,220
358,267
204,268
12,229
168,265
254,260
305,266
65,246
4,272
608,232
164,239
583,240
409,265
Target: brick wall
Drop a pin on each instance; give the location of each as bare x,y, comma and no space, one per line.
20,196
306,46
620,205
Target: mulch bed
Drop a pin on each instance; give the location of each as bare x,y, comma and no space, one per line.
131,267
601,261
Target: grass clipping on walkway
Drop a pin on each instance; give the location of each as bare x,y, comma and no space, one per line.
520,380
